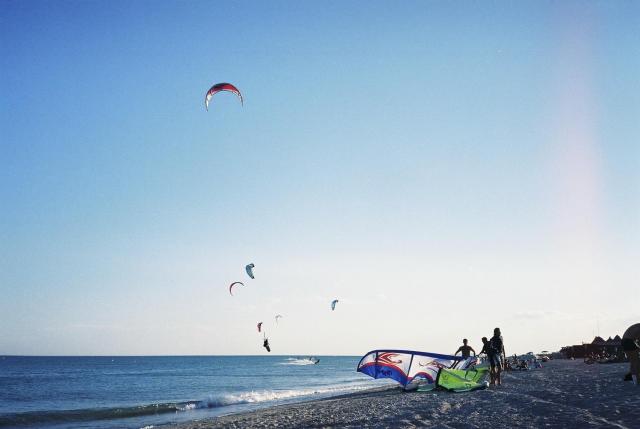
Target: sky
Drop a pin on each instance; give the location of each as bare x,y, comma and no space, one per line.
441,168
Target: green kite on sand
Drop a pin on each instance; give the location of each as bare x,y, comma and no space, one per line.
459,380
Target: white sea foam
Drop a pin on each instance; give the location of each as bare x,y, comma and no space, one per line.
294,361
258,396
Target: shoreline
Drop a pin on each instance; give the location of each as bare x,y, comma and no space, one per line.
562,394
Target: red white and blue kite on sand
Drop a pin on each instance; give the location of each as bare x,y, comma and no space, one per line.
406,366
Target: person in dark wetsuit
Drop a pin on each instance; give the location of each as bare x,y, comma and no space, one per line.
495,353
485,346
465,349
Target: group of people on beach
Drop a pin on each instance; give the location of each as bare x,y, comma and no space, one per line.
605,357
496,355
493,349
529,361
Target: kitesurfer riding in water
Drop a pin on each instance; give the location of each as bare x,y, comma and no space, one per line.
265,343
496,353
465,349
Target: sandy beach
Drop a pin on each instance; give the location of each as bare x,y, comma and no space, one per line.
562,394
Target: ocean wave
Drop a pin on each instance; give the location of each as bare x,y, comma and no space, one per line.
272,396
31,418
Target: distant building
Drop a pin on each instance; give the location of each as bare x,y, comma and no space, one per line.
599,345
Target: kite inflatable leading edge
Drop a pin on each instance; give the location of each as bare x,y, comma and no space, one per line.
221,87
249,269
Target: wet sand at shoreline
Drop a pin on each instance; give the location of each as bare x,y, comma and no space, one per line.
562,394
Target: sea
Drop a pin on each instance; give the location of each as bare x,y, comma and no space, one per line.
108,392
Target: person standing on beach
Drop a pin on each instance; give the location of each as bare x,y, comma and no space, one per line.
631,346
496,354
465,349
485,346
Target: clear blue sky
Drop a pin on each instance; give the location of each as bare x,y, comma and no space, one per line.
440,168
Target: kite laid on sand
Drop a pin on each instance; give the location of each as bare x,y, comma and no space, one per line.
423,371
